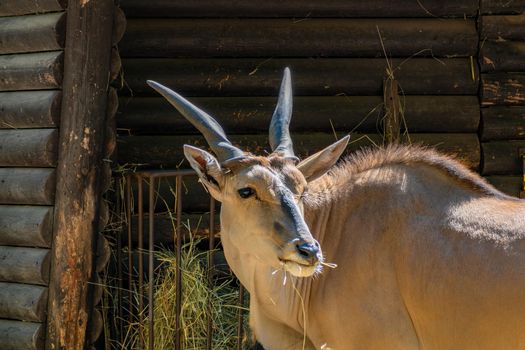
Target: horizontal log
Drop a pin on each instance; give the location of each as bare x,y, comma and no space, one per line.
31,71
511,185
503,123
256,77
502,157
98,289
503,89
17,335
502,7
24,265
298,8
29,226
29,147
290,38
23,302
30,109
27,186
167,150
25,7
32,33
246,115
503,27
502,56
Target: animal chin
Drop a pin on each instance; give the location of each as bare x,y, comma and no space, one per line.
299,270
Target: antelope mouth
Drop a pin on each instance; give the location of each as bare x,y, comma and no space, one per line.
299,269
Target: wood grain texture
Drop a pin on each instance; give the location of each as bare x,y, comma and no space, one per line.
30,109
32,33
24,302
24,225
31,71
299,8
503,123
495,7
24,7
336,76
503,27
24,265
27,186
502,56
290,38
502,157
507,89
246,115
18,335
29,147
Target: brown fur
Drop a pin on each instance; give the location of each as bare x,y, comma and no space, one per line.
373,158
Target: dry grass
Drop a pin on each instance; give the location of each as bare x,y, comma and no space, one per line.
196,293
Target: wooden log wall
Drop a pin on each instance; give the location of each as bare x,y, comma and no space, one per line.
228,58
502,57
31,59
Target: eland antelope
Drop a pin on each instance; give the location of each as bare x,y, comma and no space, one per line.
428,254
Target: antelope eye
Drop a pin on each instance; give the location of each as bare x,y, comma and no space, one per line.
246,192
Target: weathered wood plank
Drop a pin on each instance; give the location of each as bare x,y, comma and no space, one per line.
503,89
503,123
29,226
167,150
27,186
32,33
245,115
29,147
86,81
30,109
24,265
25,7
24,302
259,77
290,38
500,7
17,335
502,157
31,71
511,185
503,27
298,8
502,56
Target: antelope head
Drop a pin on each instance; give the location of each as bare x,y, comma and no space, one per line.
262,211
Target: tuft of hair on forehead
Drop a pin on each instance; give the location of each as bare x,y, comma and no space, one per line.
273,161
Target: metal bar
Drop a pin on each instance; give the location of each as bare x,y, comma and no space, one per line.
240,320
121,210
211,248
140,251
178,299
130,246
150,263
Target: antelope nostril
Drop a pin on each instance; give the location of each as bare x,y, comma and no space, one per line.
307,250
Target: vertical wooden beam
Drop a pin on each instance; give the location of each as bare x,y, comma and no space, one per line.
78,193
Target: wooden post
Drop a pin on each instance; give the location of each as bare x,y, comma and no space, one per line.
82,128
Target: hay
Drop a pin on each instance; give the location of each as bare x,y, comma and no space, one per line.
196,293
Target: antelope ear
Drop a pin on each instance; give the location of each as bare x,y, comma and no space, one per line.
317,164
208,169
